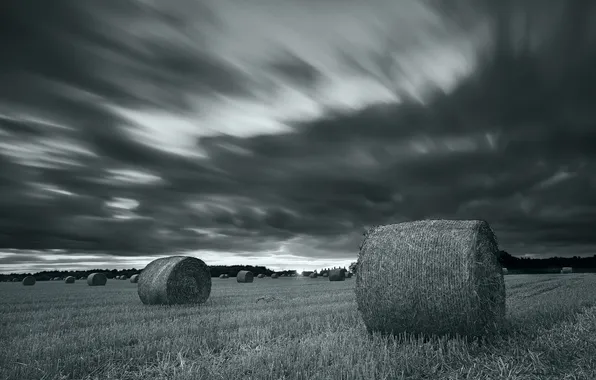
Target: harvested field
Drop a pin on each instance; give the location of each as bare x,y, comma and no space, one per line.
550,327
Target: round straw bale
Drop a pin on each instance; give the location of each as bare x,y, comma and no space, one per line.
567,270
124,277
337,275
245,276
15,280
69,280
505,271
222,276
97,279
261,275
29,280
349,275
325,274
175,280
431,277
57,279
82,278
134,278
313,275
274,275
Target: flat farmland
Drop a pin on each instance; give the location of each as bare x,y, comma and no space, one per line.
286,328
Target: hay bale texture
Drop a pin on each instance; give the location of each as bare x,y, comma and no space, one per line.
431,277
29,281
566,270
97,279
337,275
134,278
245,276
175,280
69,280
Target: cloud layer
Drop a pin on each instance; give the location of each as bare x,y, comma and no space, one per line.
267,132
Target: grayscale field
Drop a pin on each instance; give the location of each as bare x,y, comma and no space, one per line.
290,328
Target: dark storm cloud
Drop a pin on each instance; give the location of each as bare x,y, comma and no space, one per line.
513,144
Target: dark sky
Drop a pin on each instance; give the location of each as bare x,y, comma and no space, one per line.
272,132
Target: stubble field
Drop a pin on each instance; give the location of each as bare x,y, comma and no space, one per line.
286,328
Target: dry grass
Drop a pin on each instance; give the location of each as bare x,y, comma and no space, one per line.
245,276
431,277
29,281
175,280
97,279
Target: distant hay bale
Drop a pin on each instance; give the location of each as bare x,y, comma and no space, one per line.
69,280
29,280
175,280
97,279
134,278
349,275
325,274
313,275
337,275
261,275
245,276
82,278
223,276
431,277
566,270
274,275
505,271
15,280
124,277
57,279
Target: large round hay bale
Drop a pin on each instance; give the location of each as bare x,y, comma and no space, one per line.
566,270
69,280
261,275
431,277
245,276
337,275
97,279
134,278
29,280
274,275
175,280
505,271
313,275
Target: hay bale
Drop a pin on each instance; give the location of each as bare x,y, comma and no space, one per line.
261,275
15,280
222,276
349,275
566,270
134,278
313,275
124,277
337,275
97,279
175,280
29,281
69,280
82,278
245,276
325,274
57,279
431,277
505,271
274,275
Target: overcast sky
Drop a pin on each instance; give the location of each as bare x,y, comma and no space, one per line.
272,132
